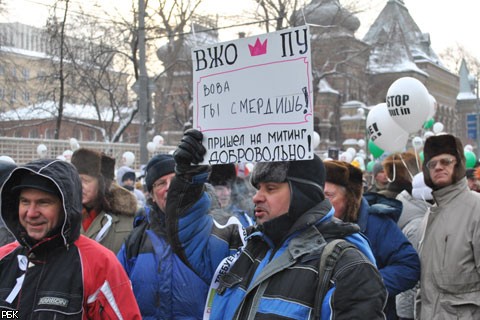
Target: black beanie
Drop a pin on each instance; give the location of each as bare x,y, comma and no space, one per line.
306,178
159,166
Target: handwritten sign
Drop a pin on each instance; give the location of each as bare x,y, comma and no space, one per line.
253,98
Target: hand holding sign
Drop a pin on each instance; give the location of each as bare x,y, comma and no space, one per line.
409,103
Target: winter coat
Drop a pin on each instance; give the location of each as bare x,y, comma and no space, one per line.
67,275
450,256
396,258
413,212
5,235
164,286
112,228
268,282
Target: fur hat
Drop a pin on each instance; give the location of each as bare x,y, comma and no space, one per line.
306,179
440,144
159,166
346,175
401,167
93,163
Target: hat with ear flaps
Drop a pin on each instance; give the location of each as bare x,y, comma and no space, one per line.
400,168
346,175
444,144
95,164
306,179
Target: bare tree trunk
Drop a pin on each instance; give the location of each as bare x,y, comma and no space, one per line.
61,77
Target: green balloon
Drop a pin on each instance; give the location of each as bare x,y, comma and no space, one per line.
421,156
429,123
470,159
370,166
374,149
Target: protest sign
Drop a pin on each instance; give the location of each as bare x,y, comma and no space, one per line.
253,98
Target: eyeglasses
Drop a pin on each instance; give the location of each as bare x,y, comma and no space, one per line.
444,162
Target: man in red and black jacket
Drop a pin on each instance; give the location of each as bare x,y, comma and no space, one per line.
51,270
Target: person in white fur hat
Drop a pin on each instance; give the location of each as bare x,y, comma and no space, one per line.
415,205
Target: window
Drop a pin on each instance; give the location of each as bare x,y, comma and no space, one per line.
33,133
25,73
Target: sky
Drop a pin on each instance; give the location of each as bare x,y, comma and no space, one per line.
449,23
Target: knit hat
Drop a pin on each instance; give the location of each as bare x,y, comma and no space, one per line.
93,163
222,174
130,175
440,144
419,189
159,166
346,175
377,168
34,181
306,179
470,173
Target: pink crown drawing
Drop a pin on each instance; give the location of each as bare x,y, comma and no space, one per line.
259,48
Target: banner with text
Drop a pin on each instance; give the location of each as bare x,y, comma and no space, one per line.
253,98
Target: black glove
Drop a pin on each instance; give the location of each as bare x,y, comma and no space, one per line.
189,151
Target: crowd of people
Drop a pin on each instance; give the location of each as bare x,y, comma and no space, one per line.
292,240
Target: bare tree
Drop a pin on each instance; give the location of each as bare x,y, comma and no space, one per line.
452,58
56,29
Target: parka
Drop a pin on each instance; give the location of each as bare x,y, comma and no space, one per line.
268,281
112,228
450,280
65,275
397,260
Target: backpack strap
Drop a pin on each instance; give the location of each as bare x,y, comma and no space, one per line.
332,251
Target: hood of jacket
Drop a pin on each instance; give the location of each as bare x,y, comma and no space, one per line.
122,201
381,205
65,177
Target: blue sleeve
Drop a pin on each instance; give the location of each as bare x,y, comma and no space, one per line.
205,243
396,258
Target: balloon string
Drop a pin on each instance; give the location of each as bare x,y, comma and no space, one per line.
394,171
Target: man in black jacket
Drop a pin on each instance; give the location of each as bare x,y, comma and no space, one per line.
275,274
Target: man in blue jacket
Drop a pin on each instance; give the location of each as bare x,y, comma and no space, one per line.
376,215
164,286
276,273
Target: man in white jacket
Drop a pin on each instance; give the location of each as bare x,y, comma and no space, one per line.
450,246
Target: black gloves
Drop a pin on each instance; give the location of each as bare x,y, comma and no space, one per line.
189,151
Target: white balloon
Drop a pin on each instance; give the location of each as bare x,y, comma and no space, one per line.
316,140
42,150
128,158
408,103
428,134
158,140
433,107
61,157
7,159
352,151
74,145
437,127
361,163
361,143
468,147
346,156
417,143
67,154
384,132
360,111
151,146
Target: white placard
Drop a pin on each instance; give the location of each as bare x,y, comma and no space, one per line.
253,98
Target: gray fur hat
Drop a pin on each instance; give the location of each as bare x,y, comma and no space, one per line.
306,179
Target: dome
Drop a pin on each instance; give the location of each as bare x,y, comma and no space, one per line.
327,13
